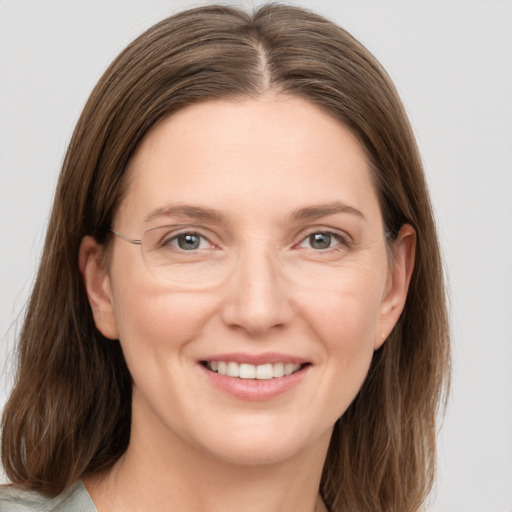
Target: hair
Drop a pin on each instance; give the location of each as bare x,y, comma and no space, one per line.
69,412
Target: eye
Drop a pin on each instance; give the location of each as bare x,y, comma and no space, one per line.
189,241
322,240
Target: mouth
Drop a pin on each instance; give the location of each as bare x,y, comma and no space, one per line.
265,371
255,377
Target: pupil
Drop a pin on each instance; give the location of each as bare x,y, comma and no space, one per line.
188,242
320,241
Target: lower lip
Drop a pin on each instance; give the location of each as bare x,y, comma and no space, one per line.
255,389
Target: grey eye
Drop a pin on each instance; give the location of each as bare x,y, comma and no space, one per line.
320,240
188,241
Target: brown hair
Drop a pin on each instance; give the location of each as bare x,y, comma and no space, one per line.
69,412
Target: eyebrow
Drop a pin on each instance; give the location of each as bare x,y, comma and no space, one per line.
184,210
206,214
324,210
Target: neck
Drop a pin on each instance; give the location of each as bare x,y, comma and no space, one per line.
176,476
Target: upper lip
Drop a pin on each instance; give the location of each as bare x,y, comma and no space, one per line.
257,359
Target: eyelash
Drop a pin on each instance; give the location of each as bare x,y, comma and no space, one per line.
343,241
168,241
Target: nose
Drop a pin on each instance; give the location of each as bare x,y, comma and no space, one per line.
257,295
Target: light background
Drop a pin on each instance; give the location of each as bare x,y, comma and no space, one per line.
452,63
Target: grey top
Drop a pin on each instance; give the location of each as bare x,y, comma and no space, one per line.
74,499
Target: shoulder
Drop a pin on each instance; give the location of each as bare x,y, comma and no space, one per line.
74,499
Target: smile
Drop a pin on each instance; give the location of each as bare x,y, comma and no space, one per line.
255,377
251,371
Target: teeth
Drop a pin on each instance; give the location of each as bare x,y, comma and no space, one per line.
289,368
247,371
264,371
279,370
232,370
251,371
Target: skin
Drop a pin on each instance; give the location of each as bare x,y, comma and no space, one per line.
257,162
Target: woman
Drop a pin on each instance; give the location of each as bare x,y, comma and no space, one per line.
240,302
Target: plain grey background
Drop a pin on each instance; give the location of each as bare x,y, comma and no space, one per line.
452,63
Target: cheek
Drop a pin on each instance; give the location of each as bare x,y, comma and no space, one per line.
345,310
159,318
347,328
344,317
347,331
152,319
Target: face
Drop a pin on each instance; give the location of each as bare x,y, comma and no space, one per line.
273,267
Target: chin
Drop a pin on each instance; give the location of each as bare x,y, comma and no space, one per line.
261,445
257,454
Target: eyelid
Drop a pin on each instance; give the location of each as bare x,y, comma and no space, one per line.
339,234
175,237
172,232
216,240
339,243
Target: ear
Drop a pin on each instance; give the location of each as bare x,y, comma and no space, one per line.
400,271
97,284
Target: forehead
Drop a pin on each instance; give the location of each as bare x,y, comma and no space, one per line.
273,152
